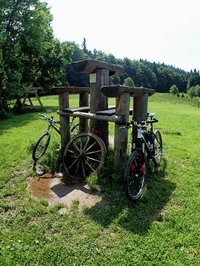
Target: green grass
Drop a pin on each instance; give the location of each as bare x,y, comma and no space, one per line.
161,229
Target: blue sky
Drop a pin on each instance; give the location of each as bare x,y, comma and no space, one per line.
164,31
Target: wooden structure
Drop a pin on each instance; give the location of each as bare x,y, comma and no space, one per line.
140,104
64,109
98,111
98,101
32,92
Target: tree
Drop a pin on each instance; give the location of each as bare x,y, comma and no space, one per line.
194,91
129,82
29,52
71,76
174,90
194,79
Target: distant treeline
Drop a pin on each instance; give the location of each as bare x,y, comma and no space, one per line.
143,73
30,55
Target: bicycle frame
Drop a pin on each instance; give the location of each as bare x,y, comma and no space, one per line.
142,142
51,123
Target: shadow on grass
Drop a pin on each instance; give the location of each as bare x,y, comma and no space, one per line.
136,217
18,120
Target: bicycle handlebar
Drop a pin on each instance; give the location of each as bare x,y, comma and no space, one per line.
138,124
49,119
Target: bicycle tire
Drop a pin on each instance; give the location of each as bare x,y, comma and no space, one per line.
41,145
158,147
135,175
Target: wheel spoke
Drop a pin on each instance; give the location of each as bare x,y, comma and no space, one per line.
92,152
92,159
83,169
70,151
86,144
75,145
76,172
81,144
92,145
90,166
72,164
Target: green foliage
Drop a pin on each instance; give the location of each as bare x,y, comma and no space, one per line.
129,82
29,53
174,90
194,91
193,79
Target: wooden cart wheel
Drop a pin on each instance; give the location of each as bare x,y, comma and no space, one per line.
84,154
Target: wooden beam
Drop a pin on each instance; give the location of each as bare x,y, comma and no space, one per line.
71,90
91,66
113,118
117,90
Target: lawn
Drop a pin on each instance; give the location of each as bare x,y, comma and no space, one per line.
161,229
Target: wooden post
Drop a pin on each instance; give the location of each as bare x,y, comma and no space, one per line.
140,107
139,112
99,102
83,122
121,135
64,120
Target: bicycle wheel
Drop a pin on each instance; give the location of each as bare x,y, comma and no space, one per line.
41,145
84,154
135,175
157,147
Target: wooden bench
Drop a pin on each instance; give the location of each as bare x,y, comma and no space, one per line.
79,109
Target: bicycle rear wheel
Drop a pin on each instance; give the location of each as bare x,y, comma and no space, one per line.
135,175
41,145
157,147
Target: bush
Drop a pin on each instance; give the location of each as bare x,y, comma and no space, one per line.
194,91
174,90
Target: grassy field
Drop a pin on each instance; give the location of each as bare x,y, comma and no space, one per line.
161,229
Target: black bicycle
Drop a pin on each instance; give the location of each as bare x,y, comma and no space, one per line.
43,141
147,145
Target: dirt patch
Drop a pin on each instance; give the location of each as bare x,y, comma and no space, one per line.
55,191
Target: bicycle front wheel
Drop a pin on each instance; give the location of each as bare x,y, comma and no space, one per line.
41,145
157,147
135,175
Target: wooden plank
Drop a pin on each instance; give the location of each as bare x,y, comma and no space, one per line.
80,109
108,112
117,90
91,66
71,90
